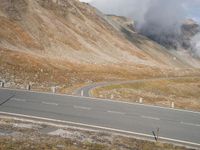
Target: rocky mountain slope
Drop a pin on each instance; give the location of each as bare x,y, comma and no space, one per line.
64,29
66,41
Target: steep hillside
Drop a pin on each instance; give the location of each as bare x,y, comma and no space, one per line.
66,29
68,42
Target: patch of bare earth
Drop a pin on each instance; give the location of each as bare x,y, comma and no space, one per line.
26,134
184,92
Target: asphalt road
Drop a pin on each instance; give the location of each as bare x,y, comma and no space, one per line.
85,91
177,125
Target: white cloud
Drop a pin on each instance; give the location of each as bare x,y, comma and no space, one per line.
196,44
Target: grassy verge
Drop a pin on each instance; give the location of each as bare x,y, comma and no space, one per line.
184,92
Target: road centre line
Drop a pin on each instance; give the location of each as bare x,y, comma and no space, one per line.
149,117
105,100
82,107
18,100
47,103
190,124
115,112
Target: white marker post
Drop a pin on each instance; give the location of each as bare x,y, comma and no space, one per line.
141,100
112,96
54,89
82,93
28,87
2,84
172,105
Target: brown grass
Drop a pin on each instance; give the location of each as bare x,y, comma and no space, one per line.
185,92
22,68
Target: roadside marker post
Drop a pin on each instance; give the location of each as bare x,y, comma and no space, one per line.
28,87
112,96
2,84
82,93
172,105
54,89
141,100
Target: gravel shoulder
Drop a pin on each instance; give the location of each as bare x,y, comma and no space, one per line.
29,134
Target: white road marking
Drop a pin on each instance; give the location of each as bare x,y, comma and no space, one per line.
100,127
82,107
149,117
47,103
115,112
190,124
105,100
18,100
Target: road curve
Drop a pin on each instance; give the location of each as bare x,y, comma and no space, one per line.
175,125
86,90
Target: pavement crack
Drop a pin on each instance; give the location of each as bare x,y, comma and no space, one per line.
9,98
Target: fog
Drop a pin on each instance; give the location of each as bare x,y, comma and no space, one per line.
160,20
195,42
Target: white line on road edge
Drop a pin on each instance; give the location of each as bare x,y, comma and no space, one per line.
116,112
102,128
105,100
190,124
47,103
82,107
18,100
152,118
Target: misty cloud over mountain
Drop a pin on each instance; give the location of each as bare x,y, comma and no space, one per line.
195,42
160,20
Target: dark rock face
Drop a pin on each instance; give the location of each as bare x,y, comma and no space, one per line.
174,39
189,30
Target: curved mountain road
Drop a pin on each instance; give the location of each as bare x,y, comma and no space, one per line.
86,90
177,126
